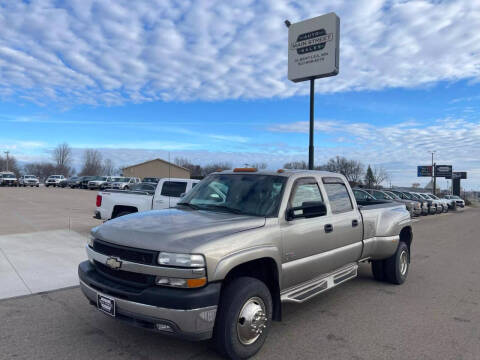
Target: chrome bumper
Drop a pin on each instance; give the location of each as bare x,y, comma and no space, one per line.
194,324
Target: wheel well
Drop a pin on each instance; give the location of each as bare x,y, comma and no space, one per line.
406,236
265,270
121,208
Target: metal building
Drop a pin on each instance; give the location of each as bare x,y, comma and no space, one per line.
156,168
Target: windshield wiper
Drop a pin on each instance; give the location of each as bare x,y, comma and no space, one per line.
191,206
224,207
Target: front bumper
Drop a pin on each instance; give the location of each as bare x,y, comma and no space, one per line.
189,314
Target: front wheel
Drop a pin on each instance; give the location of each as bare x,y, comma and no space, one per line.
396,267
244,318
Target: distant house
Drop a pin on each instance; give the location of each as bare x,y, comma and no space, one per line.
158,168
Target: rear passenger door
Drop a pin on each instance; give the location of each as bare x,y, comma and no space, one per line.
344,241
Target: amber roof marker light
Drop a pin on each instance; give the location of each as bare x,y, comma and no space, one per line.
245,170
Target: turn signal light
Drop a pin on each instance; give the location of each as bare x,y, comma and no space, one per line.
195,283
99,200
244,170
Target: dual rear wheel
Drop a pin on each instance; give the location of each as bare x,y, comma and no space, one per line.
394,269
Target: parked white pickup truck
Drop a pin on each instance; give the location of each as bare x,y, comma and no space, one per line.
114,203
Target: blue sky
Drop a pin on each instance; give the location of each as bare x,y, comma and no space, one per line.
206,80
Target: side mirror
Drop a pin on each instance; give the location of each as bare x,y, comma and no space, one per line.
309,209
182,195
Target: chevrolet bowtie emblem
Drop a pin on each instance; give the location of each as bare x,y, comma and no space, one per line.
114,263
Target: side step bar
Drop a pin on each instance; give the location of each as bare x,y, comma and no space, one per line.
316,286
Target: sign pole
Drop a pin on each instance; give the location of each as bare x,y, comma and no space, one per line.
312,127
434,178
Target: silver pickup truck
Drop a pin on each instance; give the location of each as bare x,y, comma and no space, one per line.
237,245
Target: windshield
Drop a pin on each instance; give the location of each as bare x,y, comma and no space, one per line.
30,177
415,196
393,195
99,178
258,195
8,176
424,196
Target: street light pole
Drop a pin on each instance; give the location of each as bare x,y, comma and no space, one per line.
7,152
434,177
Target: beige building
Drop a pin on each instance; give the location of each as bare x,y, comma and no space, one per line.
156,168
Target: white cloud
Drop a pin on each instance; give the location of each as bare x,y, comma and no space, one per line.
118,51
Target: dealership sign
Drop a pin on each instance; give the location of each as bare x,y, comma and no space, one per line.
443,170
424,171
458,175
313,48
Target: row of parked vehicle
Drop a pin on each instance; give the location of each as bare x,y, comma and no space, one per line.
92,182
417,203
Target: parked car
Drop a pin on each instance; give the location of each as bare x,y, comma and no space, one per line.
444,202
151,180
8,179
384,195
415,207
111,204
84,181
124,183
424,206
63,183
438,204
99,182
458,200
73,181
237,246
434,208
54,180
28,180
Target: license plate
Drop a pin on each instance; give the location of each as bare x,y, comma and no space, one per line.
106,304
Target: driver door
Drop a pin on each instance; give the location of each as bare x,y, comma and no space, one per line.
303,238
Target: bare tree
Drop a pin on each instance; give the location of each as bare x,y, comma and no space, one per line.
62,156
108,167
415,185
210,168
259,165
380,175
41,170
296,165
12,165
353,170
195,170
92,163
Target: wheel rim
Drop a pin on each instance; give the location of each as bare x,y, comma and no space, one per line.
252,321
403,263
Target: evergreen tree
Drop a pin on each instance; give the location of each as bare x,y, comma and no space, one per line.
369,178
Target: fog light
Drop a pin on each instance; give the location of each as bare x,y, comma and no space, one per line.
163,327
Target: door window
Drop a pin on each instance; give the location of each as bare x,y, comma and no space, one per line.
173,188
338,196
305,190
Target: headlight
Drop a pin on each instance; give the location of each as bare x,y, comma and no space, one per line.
90,241
182,260
181,283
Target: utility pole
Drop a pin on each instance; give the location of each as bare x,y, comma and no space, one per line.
7,152
312,127
434,177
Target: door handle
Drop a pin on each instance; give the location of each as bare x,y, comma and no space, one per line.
328,228
354,223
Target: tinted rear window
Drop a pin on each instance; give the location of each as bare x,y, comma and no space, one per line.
173,188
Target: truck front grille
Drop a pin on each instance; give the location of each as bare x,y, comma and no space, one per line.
130,278
141,256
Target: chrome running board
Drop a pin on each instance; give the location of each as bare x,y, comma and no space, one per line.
309,289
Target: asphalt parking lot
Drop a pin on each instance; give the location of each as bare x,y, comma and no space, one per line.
434,315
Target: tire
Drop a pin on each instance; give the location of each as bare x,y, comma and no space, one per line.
232,336
126,188
396,267
378,270
123,213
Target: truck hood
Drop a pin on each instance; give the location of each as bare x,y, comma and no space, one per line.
173,230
